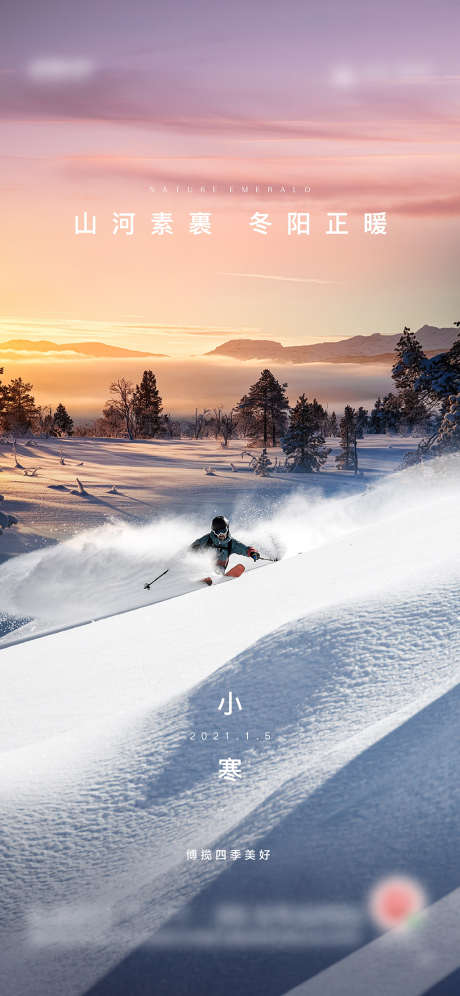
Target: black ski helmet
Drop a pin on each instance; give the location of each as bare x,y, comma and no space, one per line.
220,525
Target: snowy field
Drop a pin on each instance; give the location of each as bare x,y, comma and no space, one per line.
164,499
346,652
152,477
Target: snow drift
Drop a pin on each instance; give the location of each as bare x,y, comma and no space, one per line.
102,787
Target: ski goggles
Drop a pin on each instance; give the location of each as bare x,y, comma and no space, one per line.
221,536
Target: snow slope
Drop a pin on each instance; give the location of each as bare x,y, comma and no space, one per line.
330,650
101,570
151,478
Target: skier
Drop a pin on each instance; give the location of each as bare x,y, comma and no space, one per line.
222,543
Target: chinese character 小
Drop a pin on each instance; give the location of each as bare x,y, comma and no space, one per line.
230,704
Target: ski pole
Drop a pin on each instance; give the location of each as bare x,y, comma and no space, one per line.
149,583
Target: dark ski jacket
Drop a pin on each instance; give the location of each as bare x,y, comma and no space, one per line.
223,548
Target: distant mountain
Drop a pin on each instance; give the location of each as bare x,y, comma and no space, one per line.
93,349
375,348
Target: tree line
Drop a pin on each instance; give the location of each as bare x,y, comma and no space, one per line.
19,413
425,399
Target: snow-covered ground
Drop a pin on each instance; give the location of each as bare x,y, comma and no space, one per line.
163,500
347,652
151,477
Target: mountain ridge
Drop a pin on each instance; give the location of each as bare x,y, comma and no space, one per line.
376,347
92,349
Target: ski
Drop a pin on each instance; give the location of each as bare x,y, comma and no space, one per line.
235,572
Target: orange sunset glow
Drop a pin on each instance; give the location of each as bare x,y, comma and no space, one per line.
176,122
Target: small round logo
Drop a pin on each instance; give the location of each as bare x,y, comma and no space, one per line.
396,901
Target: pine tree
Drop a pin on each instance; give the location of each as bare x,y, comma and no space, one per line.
332,425
147,406
440,376
445,438
361,422
262,464
320,415
62,422
377,418
423,384
347,459
304,440
263,411
409,361
426,387
448,436
19,410
391,412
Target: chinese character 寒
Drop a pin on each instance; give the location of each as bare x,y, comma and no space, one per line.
230,768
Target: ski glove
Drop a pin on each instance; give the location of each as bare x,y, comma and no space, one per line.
253,553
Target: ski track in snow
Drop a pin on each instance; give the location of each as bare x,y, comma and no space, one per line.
102,790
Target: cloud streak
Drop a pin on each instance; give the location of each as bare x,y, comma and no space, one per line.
280,277
64,328
435,207
75,90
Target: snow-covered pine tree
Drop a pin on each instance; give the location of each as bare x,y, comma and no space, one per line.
377,419
320,415
391,412
347,459
407,370
448,436
62,422
409,361
439,378
147,406
304,440
262,412
361,422
436,383
262,464
332,425
424,383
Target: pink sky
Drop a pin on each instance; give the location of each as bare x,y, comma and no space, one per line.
101,101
